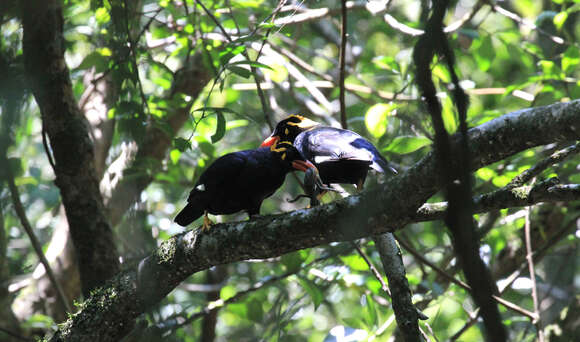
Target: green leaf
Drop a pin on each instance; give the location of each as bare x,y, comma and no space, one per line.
373,285
387,63
102,16
94,59
371,311
560,19
220,130
484,53
407,144
245,73
376,118
255,311
229,52
292,261
181,144
227,292
312,290
448,115
174,155
354,322
251,63
550,69
355,262
570,59
440,71
485,173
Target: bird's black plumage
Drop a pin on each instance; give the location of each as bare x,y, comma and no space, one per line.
240,181
341,155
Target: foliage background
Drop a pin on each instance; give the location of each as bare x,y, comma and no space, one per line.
144,67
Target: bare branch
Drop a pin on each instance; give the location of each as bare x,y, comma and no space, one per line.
33,240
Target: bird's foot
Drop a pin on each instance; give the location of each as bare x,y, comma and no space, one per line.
207,223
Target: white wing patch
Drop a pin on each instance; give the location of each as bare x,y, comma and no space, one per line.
322,159
200,187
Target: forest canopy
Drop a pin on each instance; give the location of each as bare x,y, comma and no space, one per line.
111,110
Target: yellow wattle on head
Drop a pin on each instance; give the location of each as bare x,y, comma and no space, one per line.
300,121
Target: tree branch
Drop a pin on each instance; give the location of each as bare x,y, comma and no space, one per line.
547,191
110,312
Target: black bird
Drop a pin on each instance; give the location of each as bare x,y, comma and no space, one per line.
241,181
341,156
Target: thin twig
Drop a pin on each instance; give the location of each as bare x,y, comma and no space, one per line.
218,304
459,283
532,271
396,25
133,58
523,22
539,253
265,107
535,170
373,268
253,69
341,63
33,240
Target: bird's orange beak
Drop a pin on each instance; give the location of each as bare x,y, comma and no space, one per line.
303,165
271,140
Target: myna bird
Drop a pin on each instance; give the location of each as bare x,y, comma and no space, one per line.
341,155
241,181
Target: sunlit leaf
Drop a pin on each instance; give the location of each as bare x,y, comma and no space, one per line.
227,292
448,115
102,16
560,19
407,144
376,118
355,262
174,155
571,58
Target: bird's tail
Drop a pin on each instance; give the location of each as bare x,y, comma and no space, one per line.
380,164
188,214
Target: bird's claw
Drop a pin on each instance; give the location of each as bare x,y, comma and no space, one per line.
207,223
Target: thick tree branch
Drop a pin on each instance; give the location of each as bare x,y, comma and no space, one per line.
405,312
48,77
111,311
547,191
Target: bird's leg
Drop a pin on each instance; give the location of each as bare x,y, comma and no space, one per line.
207,223
359,185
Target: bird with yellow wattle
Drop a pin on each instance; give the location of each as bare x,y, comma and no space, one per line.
241,181
340,155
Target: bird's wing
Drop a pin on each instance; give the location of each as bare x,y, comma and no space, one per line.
328,143
223,172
